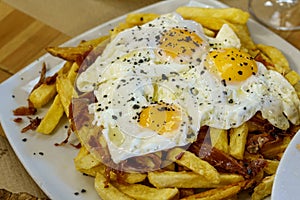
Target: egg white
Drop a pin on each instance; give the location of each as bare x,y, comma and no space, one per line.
130,73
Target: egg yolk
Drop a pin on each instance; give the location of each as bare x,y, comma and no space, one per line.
179,43
161,118
233,64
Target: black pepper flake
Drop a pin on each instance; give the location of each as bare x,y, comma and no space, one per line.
164,77
41,153
230,101
24,139
135,106
114,117
240,72
76,193
83,190
224,82
13,96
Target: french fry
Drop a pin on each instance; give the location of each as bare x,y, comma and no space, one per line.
271,166
71,54
127,177
238,138
108,191
121,27
293,77
143,192
247,44
263,189
218,193
232,15
94,42
65,90
42,95
140,18
277,58
85,160
219,139
185,179
52,117
197,165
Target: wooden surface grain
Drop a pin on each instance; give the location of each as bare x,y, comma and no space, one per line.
23,39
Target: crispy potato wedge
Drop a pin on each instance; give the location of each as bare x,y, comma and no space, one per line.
263,189
218,193
52,117
238,139
232,15
71,54
140,18
293,77
271,166
194,163
42,95
108,191
66,92
94,42
143,192
276,56
219,139
185,179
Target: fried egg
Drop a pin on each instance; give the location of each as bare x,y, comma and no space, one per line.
158,83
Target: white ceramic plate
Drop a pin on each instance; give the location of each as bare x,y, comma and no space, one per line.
287,179
54,171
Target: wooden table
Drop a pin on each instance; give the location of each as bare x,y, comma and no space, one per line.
22,40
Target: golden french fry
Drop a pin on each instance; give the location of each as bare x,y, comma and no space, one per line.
71,54
211,23
217,193
276,56
121,27
66,68
140,18
209,32
130,178
293,77
72,74
237,143
263,189
243,33
232,15
94,42
219,139
85,160
52,117
271,166
185,179
194,163
108,191
139,191
66,92
42,95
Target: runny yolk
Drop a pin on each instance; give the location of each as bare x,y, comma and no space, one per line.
161,118
179,43
233,64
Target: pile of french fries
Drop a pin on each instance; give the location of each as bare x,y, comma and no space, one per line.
187,176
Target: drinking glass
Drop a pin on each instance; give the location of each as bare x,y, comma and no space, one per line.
277,14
